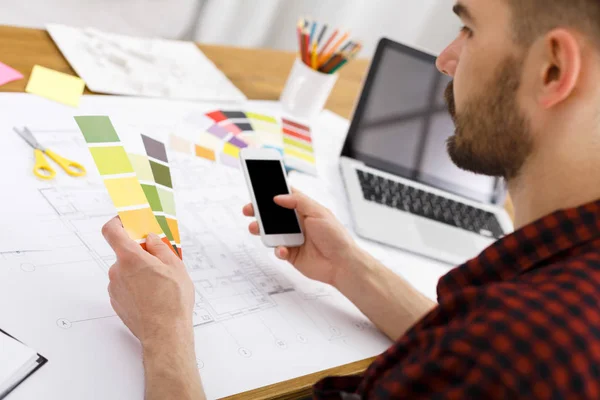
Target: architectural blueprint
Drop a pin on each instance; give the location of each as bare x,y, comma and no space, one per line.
257,320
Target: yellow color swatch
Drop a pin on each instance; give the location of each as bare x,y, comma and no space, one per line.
139,223
299,154
111,160
297,143
174,227
125,192
231,150
54,85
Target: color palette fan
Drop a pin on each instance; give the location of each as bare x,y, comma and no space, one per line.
220,135
116,167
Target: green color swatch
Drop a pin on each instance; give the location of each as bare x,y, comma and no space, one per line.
167,199
162,174
152,197
97,129
162,221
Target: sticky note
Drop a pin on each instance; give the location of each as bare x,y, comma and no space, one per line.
54,85
8,74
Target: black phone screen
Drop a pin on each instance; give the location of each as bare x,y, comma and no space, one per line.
268,181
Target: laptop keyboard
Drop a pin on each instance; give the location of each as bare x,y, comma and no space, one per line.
424,204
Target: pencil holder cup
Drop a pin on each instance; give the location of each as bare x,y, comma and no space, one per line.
306,91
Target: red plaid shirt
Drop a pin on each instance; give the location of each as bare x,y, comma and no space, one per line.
522,320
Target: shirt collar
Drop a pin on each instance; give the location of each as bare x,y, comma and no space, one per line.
526,248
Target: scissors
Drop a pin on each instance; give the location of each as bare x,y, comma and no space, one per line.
42,169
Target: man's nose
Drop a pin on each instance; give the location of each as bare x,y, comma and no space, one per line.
447,62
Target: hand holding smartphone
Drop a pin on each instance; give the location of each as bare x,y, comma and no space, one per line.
265,176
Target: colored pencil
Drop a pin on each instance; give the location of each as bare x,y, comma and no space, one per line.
326,55
299,32
327,43
303,46
334,48
347,46
321,35
307,47
331,63
337,67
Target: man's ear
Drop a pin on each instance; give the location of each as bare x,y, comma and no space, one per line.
561,68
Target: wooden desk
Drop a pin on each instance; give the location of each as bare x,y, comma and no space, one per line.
260,74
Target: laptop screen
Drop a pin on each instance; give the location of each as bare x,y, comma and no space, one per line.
401,124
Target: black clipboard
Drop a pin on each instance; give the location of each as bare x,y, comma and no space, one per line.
40,362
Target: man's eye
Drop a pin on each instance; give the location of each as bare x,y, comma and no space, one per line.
467,31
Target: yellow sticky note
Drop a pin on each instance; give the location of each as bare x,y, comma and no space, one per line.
54,85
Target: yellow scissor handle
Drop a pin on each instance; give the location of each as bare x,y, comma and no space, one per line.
71,167
42,169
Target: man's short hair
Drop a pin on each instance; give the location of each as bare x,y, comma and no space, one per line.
533,18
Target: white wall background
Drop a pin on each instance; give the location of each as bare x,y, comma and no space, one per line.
251,23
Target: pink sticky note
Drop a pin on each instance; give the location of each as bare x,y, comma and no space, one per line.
8,74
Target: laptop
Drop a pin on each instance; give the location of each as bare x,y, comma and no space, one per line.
403,188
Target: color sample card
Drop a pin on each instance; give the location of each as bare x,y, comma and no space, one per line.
8,74
159,164
141,166
56,86
298,149
120,178
220,135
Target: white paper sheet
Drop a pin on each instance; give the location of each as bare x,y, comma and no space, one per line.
120,64
258,319
15,357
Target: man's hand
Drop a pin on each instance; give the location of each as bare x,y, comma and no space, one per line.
330,255
327,246
154,296
151,291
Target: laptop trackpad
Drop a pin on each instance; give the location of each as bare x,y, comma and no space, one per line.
446,239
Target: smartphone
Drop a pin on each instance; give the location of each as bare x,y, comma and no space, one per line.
265,177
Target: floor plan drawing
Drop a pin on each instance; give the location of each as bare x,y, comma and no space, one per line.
255,317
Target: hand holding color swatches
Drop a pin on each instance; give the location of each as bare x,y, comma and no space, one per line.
120,179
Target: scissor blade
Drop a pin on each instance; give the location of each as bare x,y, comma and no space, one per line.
28,137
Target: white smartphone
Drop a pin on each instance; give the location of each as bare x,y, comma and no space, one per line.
265,177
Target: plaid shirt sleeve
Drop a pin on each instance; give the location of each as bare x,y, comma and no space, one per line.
462,360
522,320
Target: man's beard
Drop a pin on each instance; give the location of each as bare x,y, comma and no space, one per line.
493,136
